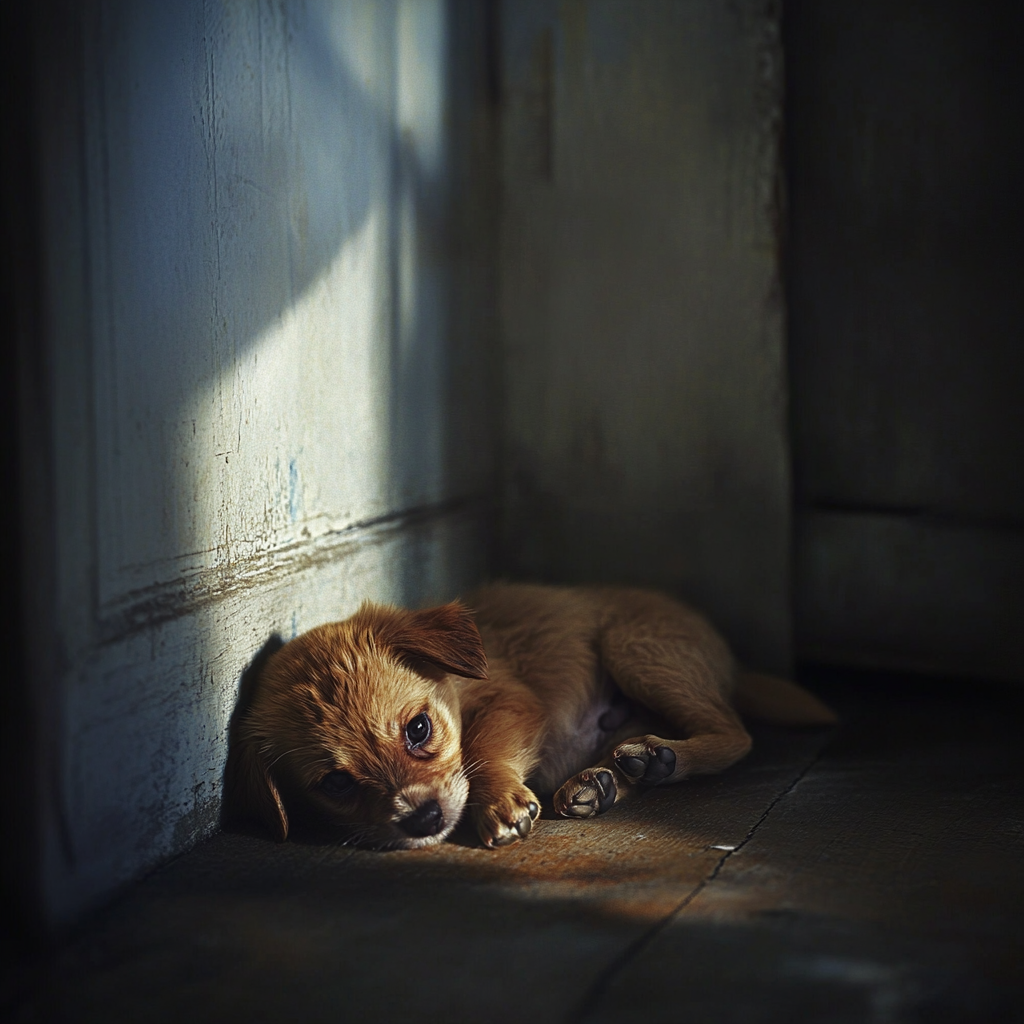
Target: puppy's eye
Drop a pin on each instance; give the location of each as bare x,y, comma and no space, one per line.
338,784
418,731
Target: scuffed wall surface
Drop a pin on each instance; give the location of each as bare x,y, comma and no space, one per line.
269,201
271,381
641,314
262,299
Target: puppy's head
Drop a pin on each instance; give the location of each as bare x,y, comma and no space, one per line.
355,726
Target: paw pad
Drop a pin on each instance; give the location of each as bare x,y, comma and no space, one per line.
592,792
650,766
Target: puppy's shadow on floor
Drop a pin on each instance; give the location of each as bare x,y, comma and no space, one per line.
465,833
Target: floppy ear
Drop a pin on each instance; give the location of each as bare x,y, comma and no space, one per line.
445,636
249,789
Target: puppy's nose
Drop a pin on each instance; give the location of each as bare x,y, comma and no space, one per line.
426,820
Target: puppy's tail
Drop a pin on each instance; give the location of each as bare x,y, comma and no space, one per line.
779,701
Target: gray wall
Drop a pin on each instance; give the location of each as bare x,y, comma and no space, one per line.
906,303
641,314
267,299
274,372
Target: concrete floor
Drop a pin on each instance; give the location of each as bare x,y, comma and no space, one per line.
874,872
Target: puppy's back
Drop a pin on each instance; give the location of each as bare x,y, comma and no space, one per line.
545,636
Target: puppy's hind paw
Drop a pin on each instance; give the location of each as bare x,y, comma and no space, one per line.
591,792
648,761
508,819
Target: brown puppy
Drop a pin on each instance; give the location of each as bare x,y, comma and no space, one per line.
387,726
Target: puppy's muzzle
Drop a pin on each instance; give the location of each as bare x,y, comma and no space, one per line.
426,820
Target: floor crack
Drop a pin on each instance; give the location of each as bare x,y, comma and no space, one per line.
602,984
781,796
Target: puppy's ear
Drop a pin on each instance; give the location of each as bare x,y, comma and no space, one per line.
445,636
249,789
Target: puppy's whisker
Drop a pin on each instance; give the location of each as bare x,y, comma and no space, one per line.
353,840
294,750
474,768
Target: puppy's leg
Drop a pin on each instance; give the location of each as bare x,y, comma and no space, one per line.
654,760
503,726
597,789
670,659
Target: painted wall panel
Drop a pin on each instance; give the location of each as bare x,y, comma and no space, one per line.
905,158
270,194
260,300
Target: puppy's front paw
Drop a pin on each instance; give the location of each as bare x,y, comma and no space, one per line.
507,819
591,792
646,760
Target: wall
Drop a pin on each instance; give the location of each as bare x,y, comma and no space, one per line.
274,372
645,395
258,398
907,313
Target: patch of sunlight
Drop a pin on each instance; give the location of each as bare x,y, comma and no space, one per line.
297,423
422,68
333,415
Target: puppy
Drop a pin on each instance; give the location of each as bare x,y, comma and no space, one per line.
385,728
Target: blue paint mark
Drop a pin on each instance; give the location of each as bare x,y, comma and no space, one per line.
293,490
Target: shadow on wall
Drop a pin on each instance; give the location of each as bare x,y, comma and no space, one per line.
232,815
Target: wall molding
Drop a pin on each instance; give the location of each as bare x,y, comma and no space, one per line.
147,607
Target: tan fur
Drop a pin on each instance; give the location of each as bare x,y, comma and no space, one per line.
584,693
